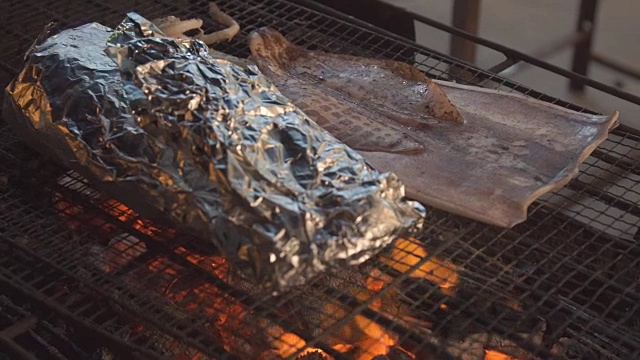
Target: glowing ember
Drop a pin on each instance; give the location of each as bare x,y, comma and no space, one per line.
129,216
225,311
216,264
378,341
74,217
407,253
361,338
233,323
287,344
497,355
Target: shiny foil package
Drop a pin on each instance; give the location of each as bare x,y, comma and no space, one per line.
177,134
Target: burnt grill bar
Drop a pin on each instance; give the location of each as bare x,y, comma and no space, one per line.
155,247
18,328
16,282
566,282
48,335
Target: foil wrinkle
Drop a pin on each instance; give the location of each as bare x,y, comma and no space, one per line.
178,134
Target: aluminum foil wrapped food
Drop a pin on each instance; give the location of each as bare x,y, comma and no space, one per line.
177,134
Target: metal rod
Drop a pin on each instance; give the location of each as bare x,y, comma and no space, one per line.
241,296
545,52
571,39
616,161
465,17
612,64
624,131
20,327
508,52
504,66
68,316
15,349
614,201
310,4
437,352
457,305
582,50
8,280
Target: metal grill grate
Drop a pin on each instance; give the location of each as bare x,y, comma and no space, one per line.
46,315
565,282
21,331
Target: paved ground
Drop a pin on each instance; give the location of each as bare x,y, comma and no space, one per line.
531,25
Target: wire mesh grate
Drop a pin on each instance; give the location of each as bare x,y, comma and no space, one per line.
565,283
35,307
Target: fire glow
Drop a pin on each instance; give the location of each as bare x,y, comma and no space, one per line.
362,338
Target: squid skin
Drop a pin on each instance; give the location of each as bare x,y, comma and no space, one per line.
400,91
371,105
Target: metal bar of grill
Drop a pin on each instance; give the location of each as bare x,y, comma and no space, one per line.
566,281
7,335
576,77
34,319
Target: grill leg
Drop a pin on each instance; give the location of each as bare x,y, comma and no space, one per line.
582,50
465,17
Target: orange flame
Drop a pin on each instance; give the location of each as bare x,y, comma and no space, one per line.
497,355
363,339
226,311
407,253
287,344
126,215
74,217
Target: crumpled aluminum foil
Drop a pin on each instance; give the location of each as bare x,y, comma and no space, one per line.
176,134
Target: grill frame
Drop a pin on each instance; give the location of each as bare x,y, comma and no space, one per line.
490,258
45,319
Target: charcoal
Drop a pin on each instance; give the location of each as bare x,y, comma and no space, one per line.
394,354
312,355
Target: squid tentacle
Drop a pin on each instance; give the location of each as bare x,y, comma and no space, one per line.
175,27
